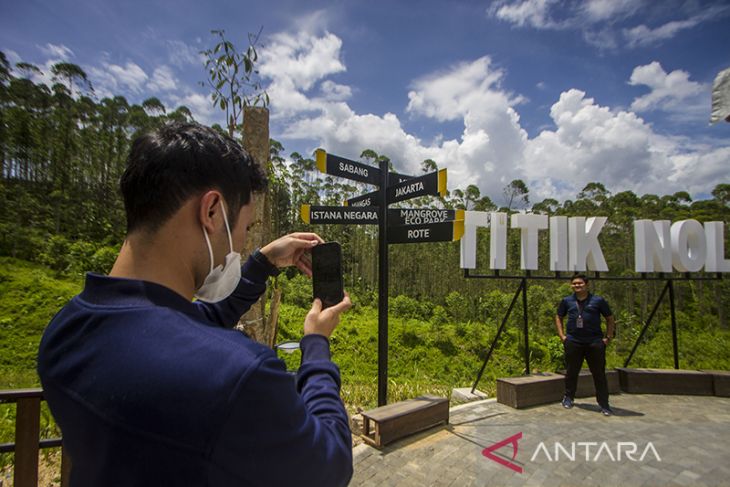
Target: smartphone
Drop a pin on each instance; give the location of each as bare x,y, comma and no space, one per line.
327,282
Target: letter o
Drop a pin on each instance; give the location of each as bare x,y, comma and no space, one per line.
689,246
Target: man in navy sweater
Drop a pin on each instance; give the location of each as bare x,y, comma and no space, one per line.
585,340
152,388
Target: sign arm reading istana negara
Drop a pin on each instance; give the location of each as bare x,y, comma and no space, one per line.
340,215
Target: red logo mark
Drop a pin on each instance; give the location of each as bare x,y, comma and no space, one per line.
487,452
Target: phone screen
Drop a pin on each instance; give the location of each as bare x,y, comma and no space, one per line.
327,273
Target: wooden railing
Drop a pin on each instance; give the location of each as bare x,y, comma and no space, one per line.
27,438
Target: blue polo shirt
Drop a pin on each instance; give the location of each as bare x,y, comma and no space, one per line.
591,309
149,388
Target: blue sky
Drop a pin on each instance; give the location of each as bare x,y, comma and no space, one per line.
557,93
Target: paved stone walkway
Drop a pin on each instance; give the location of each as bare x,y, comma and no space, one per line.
690,436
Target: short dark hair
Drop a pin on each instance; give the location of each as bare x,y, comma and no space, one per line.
169,165
579,275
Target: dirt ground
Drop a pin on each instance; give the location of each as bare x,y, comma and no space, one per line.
49,470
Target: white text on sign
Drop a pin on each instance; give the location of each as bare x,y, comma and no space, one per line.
352,169
419,233
659,246
423,216
411,188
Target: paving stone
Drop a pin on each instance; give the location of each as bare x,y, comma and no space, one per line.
689,433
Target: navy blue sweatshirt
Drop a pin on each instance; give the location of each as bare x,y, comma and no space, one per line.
152,389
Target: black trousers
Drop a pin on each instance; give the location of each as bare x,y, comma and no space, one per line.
595,355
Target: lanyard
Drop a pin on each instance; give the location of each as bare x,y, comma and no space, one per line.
579,320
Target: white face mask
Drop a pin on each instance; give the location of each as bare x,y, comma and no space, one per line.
222,280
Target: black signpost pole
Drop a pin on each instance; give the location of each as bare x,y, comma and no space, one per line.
383,287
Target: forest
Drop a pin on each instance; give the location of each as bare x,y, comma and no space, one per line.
63,150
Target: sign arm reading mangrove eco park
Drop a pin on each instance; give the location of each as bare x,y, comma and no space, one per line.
395,226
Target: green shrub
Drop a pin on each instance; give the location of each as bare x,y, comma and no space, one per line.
407,307
56,255
439,316
297,290
81,254
103,260
457,305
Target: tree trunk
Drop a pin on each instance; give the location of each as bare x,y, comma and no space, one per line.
256,142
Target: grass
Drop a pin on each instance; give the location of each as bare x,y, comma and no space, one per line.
426,356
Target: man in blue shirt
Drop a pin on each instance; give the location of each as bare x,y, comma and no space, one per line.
584,340
152,388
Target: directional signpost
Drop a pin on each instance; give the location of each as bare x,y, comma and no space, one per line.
396,226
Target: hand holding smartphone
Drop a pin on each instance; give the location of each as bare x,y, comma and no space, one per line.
327,282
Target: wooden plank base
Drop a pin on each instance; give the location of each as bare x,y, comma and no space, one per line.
404,418
666,381
530,390
720,382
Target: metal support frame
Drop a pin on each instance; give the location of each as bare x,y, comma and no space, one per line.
670,288
522,288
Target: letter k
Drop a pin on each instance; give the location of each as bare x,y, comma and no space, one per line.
487,452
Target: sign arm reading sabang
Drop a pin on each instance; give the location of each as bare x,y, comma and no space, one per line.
345,168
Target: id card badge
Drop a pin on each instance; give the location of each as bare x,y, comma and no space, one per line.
579,322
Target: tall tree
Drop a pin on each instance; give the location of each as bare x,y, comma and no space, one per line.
516,192
233,78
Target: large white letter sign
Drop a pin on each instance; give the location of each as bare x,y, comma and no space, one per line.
559,243
715,236
472,220
652,249
689,246
529,225
584,246
498,241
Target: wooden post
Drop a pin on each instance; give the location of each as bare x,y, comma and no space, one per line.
27,437
256,143
65,467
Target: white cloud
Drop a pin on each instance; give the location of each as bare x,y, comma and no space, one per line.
163,79
670,92
182,55
335,92
451,95
57,52
598,20
200,106
301,59
588,142
534,13
110,79
602,10
13,57
593,143
641,35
